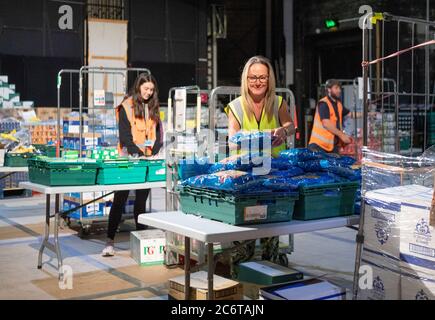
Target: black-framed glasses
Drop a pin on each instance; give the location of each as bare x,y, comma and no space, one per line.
253,79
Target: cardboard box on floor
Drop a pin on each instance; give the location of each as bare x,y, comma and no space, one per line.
223,289
147,247
266,273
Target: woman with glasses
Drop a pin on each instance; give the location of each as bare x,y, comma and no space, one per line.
260,109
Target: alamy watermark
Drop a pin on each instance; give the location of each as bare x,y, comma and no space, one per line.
66,278
197,148
365,20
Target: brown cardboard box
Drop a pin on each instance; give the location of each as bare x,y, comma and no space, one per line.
50,113
224,289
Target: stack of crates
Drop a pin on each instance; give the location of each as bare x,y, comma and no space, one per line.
238,209
62,172
326,201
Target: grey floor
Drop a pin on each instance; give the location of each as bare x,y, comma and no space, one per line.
329,254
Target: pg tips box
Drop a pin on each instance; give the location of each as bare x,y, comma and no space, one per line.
148,247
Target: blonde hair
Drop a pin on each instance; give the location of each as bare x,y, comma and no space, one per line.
270,93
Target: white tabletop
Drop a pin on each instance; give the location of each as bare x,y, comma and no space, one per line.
93,188
13,169
213,231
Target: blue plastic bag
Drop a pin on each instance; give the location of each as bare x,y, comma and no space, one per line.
341,160
279,183
282,164
231,180
311,179
243,162
193,167
290,172
347,173
252,139
300,155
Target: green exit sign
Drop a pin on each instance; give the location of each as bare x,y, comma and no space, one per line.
331,23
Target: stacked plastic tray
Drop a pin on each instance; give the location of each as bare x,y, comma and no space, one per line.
238,209
62,172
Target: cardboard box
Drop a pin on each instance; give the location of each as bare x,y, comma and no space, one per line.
417,283
50,113
417,243
147,247
389,215
223,289
91,210
381,224
386,279
266,273
309,289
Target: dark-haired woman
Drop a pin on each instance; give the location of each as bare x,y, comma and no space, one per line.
140,134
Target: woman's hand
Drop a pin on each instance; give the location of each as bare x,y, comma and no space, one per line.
278,136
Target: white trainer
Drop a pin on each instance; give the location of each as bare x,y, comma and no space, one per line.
108,251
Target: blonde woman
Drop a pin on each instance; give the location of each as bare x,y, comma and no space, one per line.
260,109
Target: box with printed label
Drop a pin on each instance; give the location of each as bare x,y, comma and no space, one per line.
417,243
148,247
417,283
90,210
379,277
386,216
381,224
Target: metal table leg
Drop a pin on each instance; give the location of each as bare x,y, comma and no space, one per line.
150,200
47,230
45,242
210,274
56,237
186,268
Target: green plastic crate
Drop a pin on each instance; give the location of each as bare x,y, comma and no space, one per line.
121,172
49,151
326,201
156,170
238,209
17,159
62,172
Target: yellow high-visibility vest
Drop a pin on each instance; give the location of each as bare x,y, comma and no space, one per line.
250,123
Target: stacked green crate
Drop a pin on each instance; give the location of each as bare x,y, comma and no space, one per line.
156,170
326,201
17,159
121,171
62,172
238,209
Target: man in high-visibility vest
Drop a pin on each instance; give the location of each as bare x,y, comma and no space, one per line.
327,134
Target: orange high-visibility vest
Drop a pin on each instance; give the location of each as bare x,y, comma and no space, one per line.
142,130
320,135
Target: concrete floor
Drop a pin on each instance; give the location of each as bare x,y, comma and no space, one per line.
329,254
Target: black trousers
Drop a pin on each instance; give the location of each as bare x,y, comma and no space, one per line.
119,201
